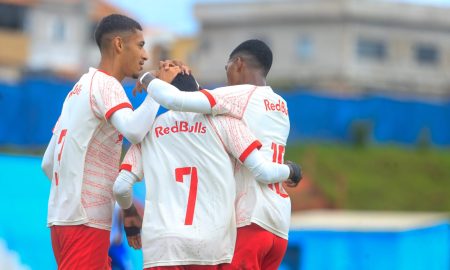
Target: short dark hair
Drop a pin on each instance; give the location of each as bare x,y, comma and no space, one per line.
185,82
114,23
260,53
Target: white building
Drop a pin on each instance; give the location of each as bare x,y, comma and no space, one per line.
347,45
53,36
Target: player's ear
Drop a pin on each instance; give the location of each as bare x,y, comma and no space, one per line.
239,63
118,43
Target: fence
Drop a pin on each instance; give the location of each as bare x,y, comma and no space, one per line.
29,111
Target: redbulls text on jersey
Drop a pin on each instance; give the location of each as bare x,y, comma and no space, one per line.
279,106
182,126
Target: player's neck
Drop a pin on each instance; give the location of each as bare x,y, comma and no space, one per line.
111,69
255,79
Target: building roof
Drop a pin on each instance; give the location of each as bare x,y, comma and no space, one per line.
323,10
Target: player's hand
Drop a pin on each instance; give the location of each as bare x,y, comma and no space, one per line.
169,74
165,65
132,223
139,87
296,174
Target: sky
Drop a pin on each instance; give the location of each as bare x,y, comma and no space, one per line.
177,15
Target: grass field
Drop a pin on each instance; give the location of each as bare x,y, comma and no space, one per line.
362,178
374,178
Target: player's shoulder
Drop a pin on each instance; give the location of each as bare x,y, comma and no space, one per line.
268,90
103,77
240,88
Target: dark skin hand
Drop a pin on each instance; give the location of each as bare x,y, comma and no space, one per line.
296,174
131,218
168,69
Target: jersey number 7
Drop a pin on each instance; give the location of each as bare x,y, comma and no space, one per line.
61,141
179,173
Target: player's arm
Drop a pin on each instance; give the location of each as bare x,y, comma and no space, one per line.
123,188
134,125
171,97
123,193
131,171
109,101
47,159
268,172
240,142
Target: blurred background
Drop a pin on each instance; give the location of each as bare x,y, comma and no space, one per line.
368,88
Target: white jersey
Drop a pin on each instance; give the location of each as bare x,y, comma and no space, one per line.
189,207
266,114
87,153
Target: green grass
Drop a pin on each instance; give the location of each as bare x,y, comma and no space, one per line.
377,178
371,178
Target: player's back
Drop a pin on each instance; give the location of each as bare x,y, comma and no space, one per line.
269,206
189,214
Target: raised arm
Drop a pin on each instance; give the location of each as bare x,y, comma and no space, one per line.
171,97
109,101
134,125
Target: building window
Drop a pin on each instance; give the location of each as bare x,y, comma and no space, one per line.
12,16
305,48
426,54
371,49
59,30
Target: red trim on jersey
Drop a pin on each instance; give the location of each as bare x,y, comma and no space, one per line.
102,71
126,167
53,129
56,178
211,99
116,108
253,146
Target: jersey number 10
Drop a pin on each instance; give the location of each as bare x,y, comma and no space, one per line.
278,153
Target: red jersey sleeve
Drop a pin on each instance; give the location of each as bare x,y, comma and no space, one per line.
237,138
133,161
230,100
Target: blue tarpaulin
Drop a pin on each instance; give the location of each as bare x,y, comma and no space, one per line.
30,109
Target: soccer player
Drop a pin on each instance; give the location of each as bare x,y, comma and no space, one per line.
83,156
263,210
188,161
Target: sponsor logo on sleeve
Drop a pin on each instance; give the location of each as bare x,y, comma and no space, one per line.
280,106
76,90
182,126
